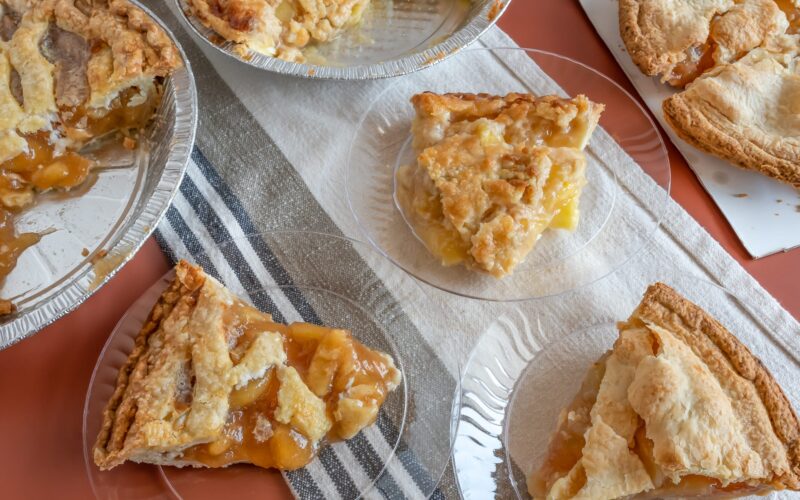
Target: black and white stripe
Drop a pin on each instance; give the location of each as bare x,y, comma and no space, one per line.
206,214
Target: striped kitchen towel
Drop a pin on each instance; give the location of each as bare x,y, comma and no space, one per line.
239,184
271,154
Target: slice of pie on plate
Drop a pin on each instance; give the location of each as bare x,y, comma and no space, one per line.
212,381
493,173
70,72
678,408
680,40
279,28
747,112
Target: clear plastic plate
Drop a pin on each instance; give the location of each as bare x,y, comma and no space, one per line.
524,371
620,207
319,285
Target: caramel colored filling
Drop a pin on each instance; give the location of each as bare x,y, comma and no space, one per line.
700,60
332,364
567,444
42,168
792,14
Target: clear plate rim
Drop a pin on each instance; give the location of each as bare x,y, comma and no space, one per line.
647,240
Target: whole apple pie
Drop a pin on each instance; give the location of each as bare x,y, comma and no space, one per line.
71,71
493,173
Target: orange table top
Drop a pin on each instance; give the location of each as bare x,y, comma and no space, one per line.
43,380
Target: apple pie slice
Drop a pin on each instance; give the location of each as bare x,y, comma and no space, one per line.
678,408
493,173
213,381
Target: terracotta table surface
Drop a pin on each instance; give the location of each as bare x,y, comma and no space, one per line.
43,380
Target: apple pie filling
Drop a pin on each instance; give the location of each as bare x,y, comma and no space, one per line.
329,386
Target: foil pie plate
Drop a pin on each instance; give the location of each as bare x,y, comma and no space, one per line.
394,37
92,231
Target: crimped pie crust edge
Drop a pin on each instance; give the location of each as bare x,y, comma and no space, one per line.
111,438
661,305
697,125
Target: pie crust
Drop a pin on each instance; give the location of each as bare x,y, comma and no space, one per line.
678,408
669,38
747,112
279,28
737,61
212,381
493,173
70,71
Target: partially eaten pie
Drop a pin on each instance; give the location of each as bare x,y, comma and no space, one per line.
738,61
279,28
212,381
678,408
747,112
493,173
70,71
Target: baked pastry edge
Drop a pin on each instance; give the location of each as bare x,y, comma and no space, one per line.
188,279
661,301
697,129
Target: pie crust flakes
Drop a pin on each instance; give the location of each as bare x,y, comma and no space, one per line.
678,408
212,381
493,173
279,28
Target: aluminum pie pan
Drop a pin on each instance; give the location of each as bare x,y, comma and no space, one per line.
160,162
395,37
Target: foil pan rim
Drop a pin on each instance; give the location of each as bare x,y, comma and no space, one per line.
407,64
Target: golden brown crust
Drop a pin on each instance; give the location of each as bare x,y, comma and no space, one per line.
721,351
705,128
640,46
118,417
493,172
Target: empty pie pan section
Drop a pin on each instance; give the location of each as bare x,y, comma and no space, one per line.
530,363
328,280
112,213
393,38
620,208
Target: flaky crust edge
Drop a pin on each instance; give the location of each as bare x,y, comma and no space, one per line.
661,305
650,61
703,132
188,279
